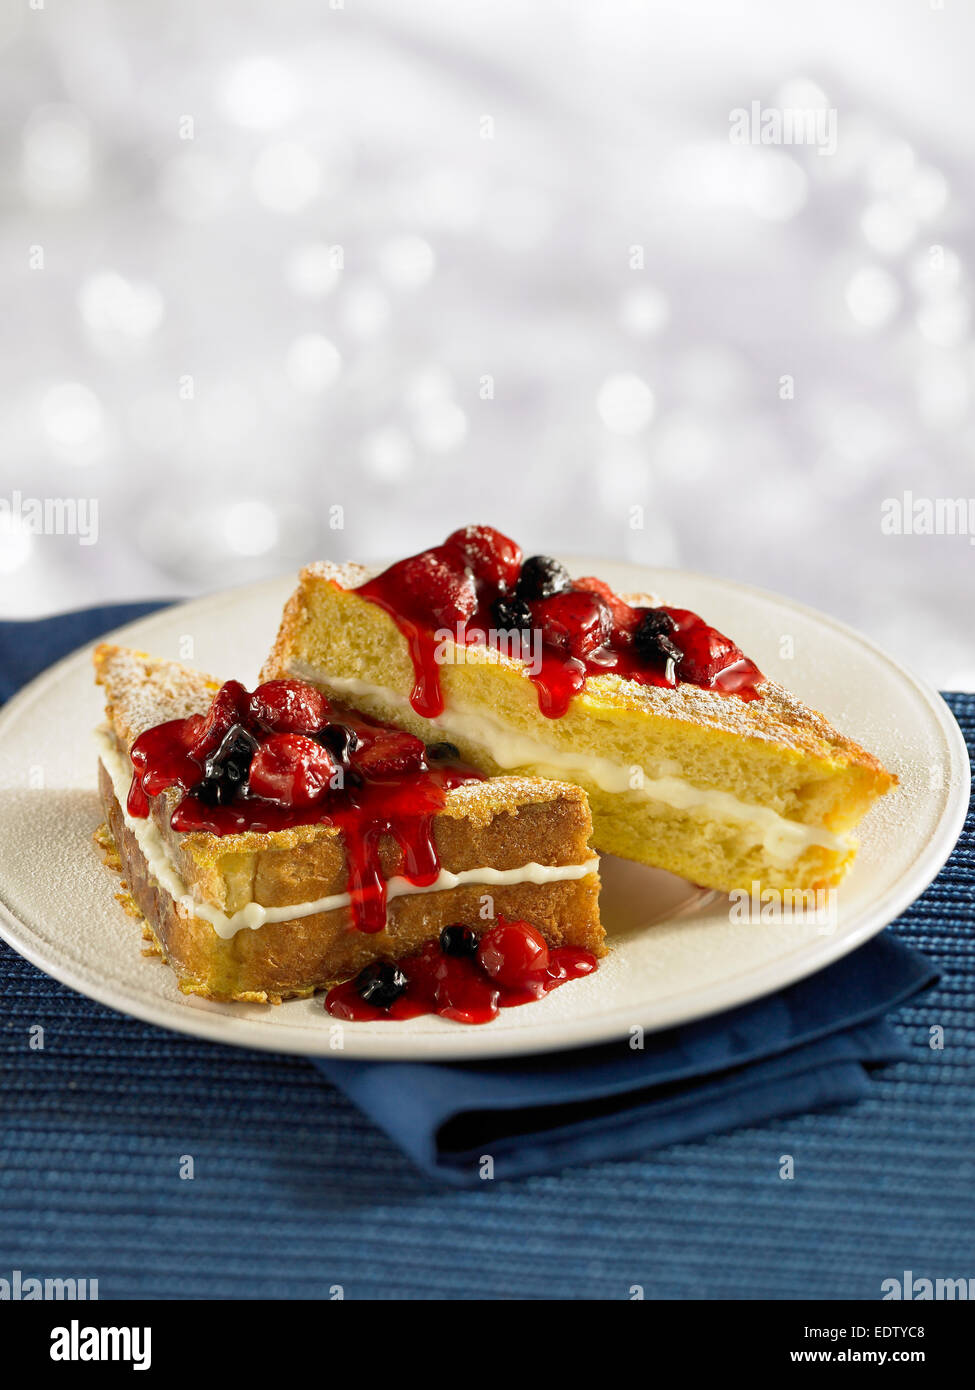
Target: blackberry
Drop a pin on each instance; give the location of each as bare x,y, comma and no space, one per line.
210,792
511,614
380,984
443,752
458,940
541,577
339,739
654,637
225,770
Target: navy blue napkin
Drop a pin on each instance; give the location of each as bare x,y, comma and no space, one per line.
28,648
807,1046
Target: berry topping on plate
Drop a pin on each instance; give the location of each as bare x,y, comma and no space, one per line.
458,940
380,984
461,980
510,951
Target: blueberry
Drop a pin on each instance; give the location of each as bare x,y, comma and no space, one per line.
511,614
380,984
443,752
339,739
654,637
210,792
541,577
458,940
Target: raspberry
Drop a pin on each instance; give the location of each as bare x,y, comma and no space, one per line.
231,705
494,560
291,769
510,951
541,577
438,586
574,623
289,707
390,753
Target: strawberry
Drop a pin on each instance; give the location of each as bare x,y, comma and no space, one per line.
389,754
625,618
230,706
291,769
289,707
573,622
437,586
705,652
494,560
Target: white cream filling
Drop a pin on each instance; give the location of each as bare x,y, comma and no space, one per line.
156,853
783,840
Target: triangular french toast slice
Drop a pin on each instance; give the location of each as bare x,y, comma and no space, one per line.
266,914
691,759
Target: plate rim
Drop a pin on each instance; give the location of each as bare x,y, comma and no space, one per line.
610,1025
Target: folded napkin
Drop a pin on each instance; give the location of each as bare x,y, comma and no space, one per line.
807,1046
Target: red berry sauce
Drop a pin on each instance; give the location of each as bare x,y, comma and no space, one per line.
512,965
276,758
476,588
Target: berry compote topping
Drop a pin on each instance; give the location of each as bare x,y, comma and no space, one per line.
462,977
278,758
477,589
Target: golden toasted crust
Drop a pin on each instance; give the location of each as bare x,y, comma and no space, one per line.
778,717
502,823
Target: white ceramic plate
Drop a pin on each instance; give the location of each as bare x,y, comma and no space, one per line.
676,953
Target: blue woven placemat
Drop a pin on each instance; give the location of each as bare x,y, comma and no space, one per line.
295,1192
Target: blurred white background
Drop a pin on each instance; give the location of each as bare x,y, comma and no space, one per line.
448,261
